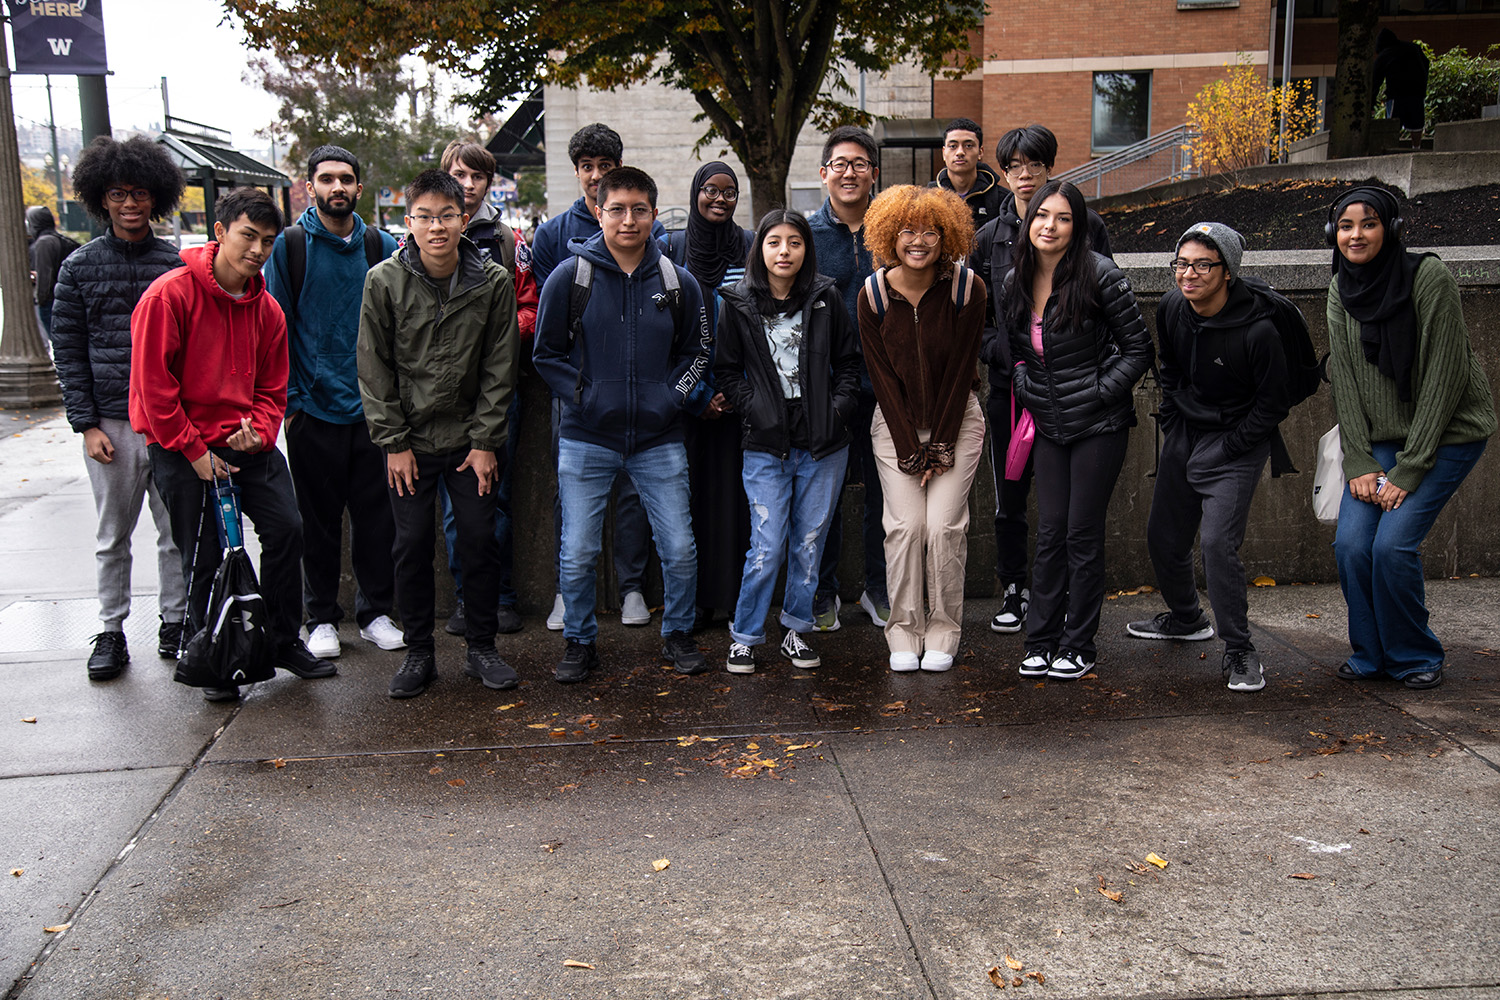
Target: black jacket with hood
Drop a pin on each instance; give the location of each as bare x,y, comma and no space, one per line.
828,372
984,198
1224,373
1082,386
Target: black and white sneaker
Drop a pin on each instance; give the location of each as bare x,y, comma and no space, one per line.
1165,626
684,653
1069,666
799,652
1012,610
1242,670
1036,663
741,659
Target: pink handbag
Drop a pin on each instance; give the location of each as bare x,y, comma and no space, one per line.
1022,435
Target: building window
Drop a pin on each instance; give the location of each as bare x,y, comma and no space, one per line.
1122,109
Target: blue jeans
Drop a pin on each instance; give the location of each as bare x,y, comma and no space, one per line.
1380,566
504,532
585,474
791,498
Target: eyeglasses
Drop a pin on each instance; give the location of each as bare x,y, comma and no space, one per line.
927,238
1033,167
728,194
841,166
639,213
445,220
118,195
1199,266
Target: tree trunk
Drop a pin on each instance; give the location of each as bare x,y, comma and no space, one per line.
1349,127
768,187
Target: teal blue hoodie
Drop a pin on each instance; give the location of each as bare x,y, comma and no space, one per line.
321,331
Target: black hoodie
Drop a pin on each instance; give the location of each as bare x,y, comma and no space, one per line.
1225,372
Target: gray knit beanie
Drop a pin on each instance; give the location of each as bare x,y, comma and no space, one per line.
1230,244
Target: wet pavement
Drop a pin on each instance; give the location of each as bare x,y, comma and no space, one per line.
840,832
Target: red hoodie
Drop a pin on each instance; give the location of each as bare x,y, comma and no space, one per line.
201,359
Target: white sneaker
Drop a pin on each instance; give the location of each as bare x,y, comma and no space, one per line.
935,662
904,663
323,642
383,633
633,610
555,619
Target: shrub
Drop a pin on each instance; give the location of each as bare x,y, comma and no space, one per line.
1238,119
1460,85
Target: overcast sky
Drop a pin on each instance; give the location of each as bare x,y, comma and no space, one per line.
186,41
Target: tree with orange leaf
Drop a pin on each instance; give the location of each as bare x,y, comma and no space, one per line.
1238,119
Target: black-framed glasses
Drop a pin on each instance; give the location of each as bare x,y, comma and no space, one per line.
841,165
1179,264
927,237
1033,167
119,194
711,192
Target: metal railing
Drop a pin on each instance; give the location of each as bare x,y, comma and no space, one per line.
1158,159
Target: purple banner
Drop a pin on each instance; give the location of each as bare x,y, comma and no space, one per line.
61,38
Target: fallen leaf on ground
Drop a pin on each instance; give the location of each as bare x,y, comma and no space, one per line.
994,973
573,963
687,741
1314,616
278,762
1109,894
1158,862
752,745
539,725
57,928
1014,965
458,782
18,872
1302,875
660,864
1018,981
1040,979
434,770
552,845
507,708
1263,581
30,718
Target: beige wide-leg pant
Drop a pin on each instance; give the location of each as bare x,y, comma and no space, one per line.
927,539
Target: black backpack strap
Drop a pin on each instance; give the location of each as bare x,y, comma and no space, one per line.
961,275
374,249
677,246
578,300
875,292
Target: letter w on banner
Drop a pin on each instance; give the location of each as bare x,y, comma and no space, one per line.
61,37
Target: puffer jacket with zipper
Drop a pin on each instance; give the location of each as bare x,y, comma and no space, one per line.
1082,386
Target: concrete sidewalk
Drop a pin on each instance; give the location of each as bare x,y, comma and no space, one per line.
842,832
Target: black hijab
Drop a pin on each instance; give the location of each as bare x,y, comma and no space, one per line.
1378,294
712,247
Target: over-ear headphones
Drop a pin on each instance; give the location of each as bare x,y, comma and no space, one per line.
1371,196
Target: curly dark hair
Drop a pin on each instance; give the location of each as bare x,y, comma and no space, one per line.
596,140
136,162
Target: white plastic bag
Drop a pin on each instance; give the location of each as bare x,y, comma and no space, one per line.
1328,480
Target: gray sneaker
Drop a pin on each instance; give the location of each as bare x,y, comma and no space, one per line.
1242,670
633,610
1165,626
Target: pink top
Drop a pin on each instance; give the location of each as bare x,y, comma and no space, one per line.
1036,335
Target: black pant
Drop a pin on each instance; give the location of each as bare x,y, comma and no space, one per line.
266,499
1073,485
861,458
335,466
1010,495
416,540
1195,483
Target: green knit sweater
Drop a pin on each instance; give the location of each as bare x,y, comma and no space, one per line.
1450,403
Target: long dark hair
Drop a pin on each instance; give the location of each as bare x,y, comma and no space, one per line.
1073,282
758,279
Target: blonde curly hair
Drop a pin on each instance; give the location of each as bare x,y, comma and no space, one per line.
907,206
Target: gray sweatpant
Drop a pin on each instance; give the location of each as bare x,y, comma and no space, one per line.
119,488
1197,488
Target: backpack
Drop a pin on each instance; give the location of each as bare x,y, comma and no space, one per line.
583,287
1304,369
296,256
880,300
68,243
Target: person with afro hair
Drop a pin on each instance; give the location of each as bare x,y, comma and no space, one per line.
125,185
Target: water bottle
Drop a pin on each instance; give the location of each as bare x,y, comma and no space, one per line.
228,496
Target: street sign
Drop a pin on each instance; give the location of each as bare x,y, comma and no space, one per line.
390,198
60,38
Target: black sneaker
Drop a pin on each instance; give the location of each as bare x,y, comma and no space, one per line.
684,653
418,670
507,619
109,657
169,639
1069,666
485,663
296,658
1012,610
799,652
577,662
1036,663
457,623
1165,626
1242,670
221,694
741,659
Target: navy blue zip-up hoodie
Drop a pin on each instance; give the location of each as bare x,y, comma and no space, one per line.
634,371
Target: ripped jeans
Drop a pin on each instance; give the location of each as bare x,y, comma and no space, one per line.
791,504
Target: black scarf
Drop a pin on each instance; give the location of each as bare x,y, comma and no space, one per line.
712,248
1378,294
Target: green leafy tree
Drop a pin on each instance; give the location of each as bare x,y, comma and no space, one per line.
376,112
756,68
531,190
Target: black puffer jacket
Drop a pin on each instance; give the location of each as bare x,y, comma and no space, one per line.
97,289
1082,385
828,372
